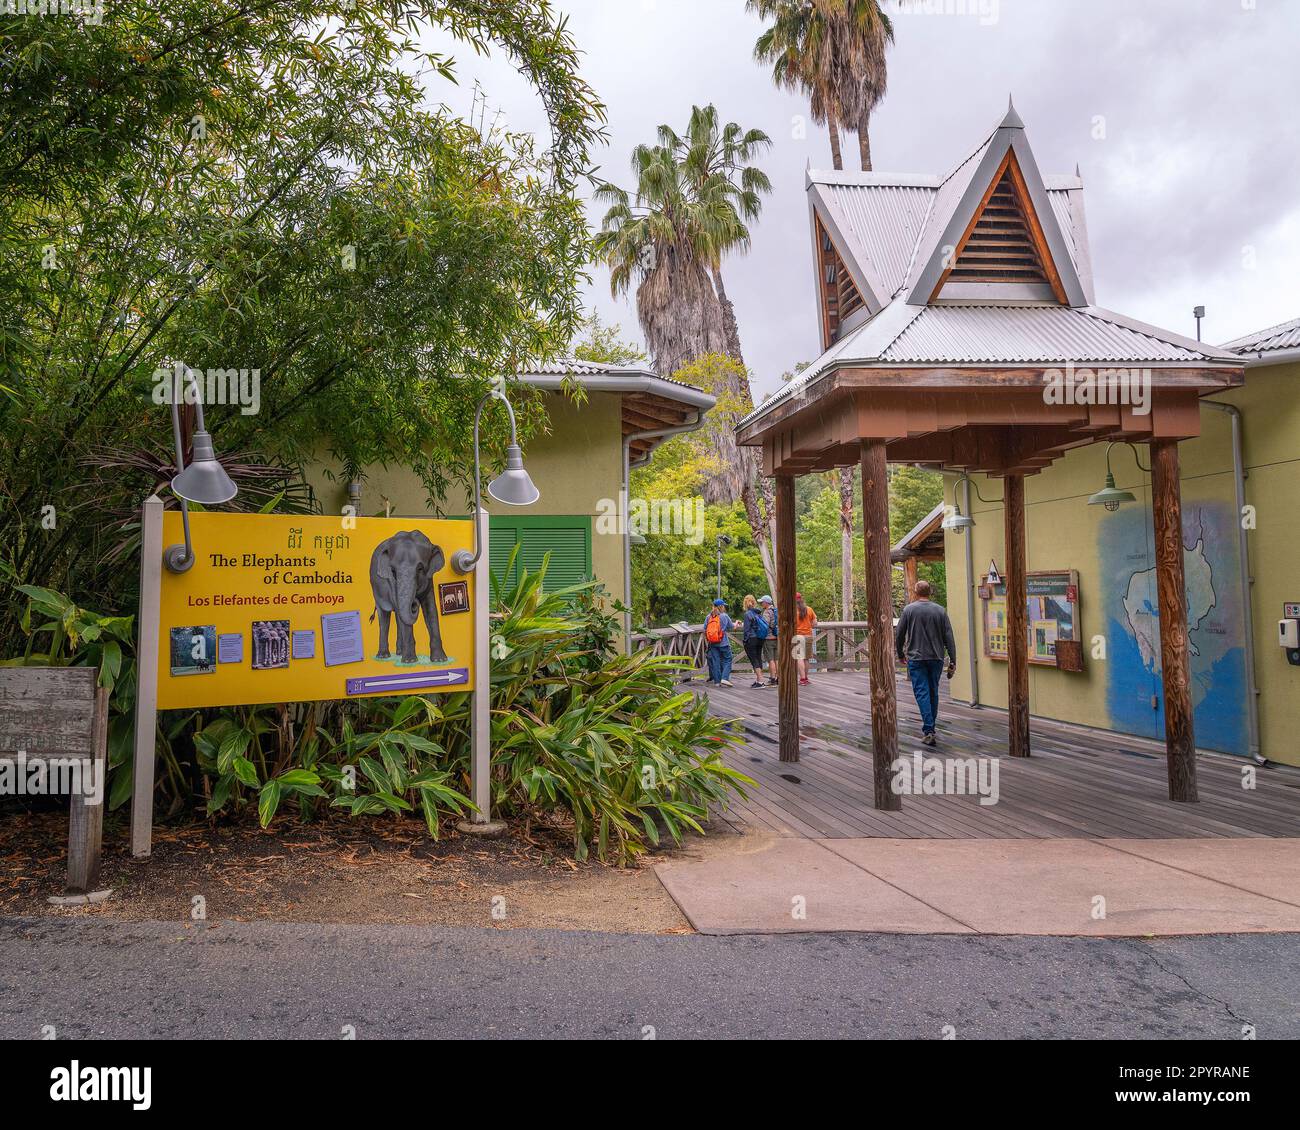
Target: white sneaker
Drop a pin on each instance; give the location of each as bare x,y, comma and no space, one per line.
726,683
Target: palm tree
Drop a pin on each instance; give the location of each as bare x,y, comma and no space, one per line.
661,238
714,154
696,193
833,51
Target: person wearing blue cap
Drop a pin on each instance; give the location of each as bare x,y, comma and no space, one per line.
716,626
756,630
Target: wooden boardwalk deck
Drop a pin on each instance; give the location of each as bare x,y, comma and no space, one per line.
1079,783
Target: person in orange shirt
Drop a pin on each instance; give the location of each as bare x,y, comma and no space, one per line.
805,620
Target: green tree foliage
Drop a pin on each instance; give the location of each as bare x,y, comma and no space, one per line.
913,493
817,534
263,186
674,575
604,345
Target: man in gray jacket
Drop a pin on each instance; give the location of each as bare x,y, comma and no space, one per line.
923,635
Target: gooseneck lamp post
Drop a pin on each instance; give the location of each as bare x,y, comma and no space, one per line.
204,481
956,520
1110,496
513,486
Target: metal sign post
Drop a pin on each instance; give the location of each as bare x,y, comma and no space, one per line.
146,675
480,764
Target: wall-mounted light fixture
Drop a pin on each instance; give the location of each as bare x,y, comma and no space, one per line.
955,520
1110,496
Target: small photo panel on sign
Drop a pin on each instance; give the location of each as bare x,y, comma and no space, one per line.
193,650
270,644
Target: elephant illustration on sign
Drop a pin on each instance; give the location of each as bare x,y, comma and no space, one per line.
402,569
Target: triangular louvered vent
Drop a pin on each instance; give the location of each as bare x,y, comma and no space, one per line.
1001,246
840,295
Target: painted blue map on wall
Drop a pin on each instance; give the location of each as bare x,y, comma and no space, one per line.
1215,630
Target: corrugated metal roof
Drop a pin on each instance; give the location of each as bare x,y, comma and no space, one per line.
973,335
997,335
941,207
883,223
1285,335
573,367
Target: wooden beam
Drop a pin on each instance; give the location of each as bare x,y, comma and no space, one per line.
832,391
1175,672
641,419
787,674
909,572
1013,505
880,615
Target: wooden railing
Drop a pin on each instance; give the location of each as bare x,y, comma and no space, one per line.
838,645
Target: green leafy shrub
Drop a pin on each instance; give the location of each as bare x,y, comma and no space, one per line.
579,732
605,737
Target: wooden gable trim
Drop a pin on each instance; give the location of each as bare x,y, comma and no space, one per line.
1009,174
838,294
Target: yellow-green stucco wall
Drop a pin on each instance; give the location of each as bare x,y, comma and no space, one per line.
576,464
1063,532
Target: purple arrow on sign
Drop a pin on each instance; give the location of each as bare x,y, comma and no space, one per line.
407,681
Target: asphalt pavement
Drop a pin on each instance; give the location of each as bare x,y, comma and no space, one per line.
103,978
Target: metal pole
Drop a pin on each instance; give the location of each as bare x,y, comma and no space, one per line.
146,693
481,726
1243,553
972,651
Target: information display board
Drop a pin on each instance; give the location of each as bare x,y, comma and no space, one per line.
288,608
1052,613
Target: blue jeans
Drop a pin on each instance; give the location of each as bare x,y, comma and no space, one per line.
719,656
924,674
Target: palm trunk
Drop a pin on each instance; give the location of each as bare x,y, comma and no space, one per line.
757,527
837,158
846,543
769,506
864,141
746,457
732,331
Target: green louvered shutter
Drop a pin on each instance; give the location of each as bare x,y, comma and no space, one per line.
570,550
501,541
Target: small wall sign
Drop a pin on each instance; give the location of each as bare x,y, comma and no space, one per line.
1291,610
453,597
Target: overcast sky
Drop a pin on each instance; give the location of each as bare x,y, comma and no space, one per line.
1181,114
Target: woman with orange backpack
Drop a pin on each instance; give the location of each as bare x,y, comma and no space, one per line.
718,646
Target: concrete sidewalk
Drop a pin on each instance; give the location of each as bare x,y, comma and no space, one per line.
759,884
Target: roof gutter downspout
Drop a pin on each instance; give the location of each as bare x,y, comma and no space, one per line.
625,502
973,658
1247,609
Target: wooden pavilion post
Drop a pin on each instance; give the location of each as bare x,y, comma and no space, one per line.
1167,511
1013,506
787,675
880,617
909,573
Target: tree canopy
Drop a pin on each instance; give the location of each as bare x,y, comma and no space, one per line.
265,186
